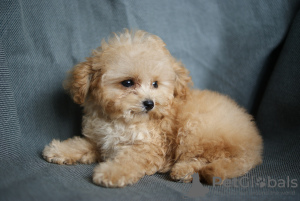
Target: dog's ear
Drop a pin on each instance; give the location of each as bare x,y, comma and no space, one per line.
182,80
78,81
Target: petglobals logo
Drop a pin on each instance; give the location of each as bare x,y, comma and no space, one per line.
197,189
250,182
288,184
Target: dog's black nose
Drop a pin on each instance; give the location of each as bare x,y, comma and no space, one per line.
148,104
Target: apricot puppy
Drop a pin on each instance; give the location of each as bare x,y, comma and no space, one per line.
142,117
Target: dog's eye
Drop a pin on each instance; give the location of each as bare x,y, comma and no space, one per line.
127,83
154,84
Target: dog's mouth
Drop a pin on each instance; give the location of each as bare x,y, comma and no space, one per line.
143,114
142,111
146,107
134,115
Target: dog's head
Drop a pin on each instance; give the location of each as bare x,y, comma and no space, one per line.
132,76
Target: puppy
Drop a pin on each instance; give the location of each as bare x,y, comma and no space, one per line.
141,117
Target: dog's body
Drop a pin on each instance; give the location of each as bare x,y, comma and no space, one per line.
141,117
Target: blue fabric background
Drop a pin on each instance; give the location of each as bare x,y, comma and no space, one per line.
248,50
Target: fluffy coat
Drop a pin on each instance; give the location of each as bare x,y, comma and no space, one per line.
186,131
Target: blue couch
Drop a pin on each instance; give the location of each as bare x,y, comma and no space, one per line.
249,50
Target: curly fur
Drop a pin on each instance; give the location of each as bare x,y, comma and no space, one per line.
187,131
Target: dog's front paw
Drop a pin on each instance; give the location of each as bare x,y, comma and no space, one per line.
111,175
54,154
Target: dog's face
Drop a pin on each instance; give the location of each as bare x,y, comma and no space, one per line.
133,77
136,81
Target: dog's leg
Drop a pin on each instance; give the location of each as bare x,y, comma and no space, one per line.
211,160
130,165
224,169
71,151
183,169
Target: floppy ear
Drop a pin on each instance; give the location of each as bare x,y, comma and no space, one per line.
78,81
182,80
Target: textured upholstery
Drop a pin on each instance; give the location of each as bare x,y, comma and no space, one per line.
249,50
